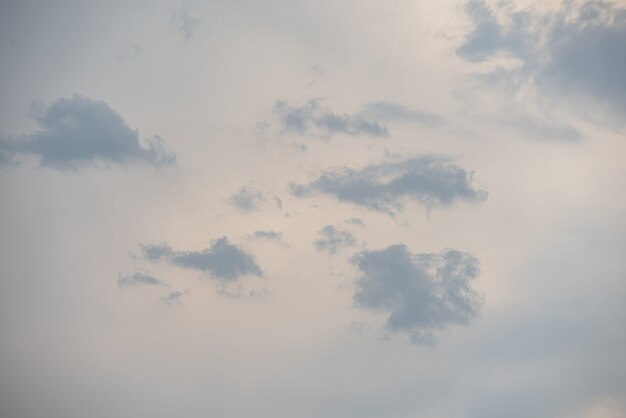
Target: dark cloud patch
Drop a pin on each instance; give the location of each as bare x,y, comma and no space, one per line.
138,279
332,239
422,293
393,112
251,199
316,120
428,180
173,297
77,131
268,235
222,261
578,52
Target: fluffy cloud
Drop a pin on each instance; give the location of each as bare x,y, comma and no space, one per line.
422,293
250,199
576,53
138,279
431,181
77,131
223,260
316,120
332,239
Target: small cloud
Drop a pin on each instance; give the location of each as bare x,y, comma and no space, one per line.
138,279
313,119
332,239
77,131
222,261
421,293
268,235
356,222
428,180
250,199
173,297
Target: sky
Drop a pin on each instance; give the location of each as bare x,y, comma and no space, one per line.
337,209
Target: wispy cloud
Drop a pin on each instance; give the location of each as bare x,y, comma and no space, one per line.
138,279
395,112
173,297
183,22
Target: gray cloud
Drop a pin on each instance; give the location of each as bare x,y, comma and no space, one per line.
223,260
429,180
393,112
315,120
422,293
577,52
250,199
332,239
138,279
356,222
268,235
77,131
173,297
183,23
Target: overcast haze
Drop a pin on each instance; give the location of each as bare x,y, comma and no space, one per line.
314,209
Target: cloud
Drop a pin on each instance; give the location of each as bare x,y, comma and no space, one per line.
77,131
332,239
355,221
393,112
183,23
138,279
250,199
422,293
268,235
173,297
222,261
315,120
428,180
576,53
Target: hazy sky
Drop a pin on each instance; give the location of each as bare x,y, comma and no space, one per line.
312,209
